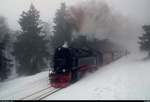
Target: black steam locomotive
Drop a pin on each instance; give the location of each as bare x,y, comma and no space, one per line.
70,64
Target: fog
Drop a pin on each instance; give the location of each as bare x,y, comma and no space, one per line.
136,9
12,9
103,21
126,17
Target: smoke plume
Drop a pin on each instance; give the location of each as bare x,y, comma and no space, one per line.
97,19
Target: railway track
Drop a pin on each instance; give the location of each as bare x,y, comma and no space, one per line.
41,94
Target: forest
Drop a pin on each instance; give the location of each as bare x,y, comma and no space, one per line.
29,50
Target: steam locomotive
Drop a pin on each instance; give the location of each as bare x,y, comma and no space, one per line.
70,64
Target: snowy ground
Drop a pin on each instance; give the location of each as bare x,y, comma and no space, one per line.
125,79
18,88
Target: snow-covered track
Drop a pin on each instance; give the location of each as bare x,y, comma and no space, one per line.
44,95
41,94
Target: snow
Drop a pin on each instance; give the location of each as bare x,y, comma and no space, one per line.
125,79
21,87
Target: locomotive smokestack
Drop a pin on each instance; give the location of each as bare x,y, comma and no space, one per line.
65,45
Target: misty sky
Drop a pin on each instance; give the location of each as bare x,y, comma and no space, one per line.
11,9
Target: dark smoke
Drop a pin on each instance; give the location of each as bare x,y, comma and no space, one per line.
101,21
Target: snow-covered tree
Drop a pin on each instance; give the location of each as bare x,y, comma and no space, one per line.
30,49
5,63
145,39
63,27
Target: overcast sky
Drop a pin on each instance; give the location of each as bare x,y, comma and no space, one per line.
11,9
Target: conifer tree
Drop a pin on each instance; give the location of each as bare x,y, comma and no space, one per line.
145,39
5,63
63,27
30,48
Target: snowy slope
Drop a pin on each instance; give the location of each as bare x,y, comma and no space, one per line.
18,88
127,78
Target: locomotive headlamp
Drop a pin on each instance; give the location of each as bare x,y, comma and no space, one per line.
64,70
